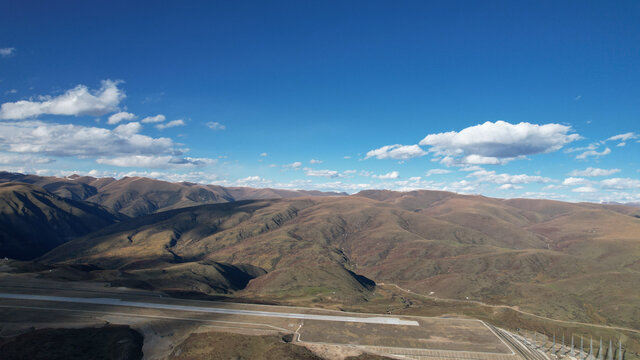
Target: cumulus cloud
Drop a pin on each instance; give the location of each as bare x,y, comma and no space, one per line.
121,116
593,153
155,162
475,159
170,124
492,143
571,181
77,101
396,152
75,140
492,177
323,173
153,119
437,172
620,183
592,172
389,175
315,161
585,189
509,187
128,130
214,125
4,52
264,154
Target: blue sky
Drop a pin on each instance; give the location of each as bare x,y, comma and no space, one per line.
502,98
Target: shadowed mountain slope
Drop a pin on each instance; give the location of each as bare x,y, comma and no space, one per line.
34,221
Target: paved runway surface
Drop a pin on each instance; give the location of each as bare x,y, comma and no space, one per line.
118,302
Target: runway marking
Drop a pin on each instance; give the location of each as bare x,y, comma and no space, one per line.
119,302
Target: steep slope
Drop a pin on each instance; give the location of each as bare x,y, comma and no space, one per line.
135,196
33,221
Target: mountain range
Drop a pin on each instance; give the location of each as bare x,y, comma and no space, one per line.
575,261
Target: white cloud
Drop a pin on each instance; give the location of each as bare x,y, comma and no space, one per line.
128,130
77,101
214,125
623,137
415,178
474,159
315,161
14,159
75,140
347,157
590,172
497,142
389,175
11,91
585,189
620,183
170,124
350,172
571,181
594,153
396,152
4,52
509,187
471,168
153,119
591,146
253,181
121,116
293,165
199,177
491,176
264,154
437,172
154,162
542,195
323,173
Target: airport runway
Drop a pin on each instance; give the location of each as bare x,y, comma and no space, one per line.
119,302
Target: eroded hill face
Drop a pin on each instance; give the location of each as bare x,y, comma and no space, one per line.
34,221
574,261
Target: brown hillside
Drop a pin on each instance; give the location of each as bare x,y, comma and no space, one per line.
456,247
34,221
135,196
